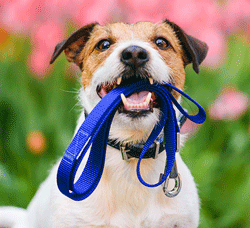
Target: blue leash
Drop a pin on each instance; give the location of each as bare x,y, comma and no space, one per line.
95,131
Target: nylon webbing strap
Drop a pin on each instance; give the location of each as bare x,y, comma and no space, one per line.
95,130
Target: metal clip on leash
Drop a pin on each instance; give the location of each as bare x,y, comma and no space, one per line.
177,185
174,172
173,175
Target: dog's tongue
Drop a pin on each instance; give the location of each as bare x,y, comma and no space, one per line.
137,98
137,101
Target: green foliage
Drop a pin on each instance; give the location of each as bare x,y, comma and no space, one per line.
28,103
218,155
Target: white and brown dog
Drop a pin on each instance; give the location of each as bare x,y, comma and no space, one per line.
109,56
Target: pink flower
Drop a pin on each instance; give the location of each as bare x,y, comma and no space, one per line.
230,104
38,63
141,5
19,16
93,11
61,10
47,35
189,128
216,42
193,15
235,14
134,11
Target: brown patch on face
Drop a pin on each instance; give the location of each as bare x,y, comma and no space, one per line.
173,57
117,33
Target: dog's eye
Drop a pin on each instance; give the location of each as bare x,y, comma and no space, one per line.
103,45
162,43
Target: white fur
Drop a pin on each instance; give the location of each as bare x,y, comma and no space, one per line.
120,200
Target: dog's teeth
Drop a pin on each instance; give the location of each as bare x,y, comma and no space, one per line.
151,81
124,100
119,80
148,98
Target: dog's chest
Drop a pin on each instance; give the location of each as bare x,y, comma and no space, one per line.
120,200
122,205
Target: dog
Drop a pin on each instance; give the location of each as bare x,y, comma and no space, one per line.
109,56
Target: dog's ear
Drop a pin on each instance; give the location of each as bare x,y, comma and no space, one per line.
74,44
194,49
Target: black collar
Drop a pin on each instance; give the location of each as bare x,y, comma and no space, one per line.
129,150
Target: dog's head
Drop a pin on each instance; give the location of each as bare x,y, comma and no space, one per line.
121,53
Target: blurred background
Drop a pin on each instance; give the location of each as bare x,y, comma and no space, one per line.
39,107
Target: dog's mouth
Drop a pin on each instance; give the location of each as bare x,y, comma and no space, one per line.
137,104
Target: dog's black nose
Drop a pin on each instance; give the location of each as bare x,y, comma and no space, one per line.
134,56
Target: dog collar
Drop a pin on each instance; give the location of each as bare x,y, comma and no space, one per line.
132,151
